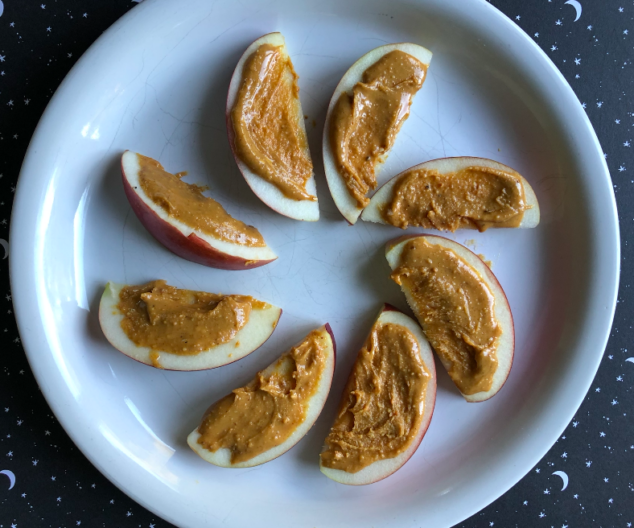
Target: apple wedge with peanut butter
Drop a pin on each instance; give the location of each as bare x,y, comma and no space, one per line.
262,420
176,329
461,307
387,403
455,193
366,112
188,223
266,129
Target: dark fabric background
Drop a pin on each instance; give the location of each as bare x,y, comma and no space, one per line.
56,486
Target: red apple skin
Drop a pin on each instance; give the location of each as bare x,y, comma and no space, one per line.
493,279
191,247
334,343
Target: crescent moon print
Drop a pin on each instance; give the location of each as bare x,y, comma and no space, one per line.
11,477
577,7
630,360
1,8
3,242
564,478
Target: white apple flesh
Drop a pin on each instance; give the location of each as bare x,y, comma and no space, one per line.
344,201
222,457
307,210
183,240
382,197
261,324
506,342
386,467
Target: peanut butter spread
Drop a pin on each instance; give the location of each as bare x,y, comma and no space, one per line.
268,136
383,402
456,309
364,125
182,322
474,197
264,413
186,203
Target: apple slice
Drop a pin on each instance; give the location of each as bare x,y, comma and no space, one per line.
384,468
383,197
181,239
307,210
506,342
261,324
222,456
346,203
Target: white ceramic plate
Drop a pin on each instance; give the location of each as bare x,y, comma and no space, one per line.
156,83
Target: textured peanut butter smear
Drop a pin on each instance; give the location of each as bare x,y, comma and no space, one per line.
456,309
383,402
364,124
474,197
182,322
268,135
264,413
185,202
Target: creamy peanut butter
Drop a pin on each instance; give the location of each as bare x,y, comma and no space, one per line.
264,413
182,322
364,124
456,309
475,197
186,203
268,136
383,402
